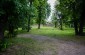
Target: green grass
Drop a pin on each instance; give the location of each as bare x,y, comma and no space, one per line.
26,42
5,44
66,34
27,46
21,46
49,31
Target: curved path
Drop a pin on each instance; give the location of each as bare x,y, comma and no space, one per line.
53,46
49,46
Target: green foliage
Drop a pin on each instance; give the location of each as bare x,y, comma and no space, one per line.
5,44
72,10
43,11
48,7
54,18
20,45
13,14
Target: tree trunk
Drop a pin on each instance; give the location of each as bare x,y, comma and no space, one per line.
81,24
11,31
76,27
75,20
39,16
29,17
1,32
1,35
55,24
39,22
81,28
3,22
61,26
28,24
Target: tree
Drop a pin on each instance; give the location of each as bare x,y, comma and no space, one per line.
54,19
48,10
42,11
74,9
8,10
30,13
11,15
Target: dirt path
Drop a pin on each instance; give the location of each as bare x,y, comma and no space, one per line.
53,46
50,46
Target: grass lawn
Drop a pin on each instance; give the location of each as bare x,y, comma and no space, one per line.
50,31
66,34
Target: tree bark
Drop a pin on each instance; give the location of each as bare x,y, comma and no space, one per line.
11,30
29,17
28,24
55,24
61,26
76,27
81,28
39,17
81,23
39,23
1,32
75,20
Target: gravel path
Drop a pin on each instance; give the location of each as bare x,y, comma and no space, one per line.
53,46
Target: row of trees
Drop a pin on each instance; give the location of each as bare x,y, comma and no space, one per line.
72,11
16,14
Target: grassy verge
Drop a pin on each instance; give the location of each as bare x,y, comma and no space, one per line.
5,44
21,46
66,34
27,46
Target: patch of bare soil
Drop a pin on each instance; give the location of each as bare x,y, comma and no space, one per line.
50,46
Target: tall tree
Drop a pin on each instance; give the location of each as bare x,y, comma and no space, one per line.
42,11
30,15
11,15
54,19
74,8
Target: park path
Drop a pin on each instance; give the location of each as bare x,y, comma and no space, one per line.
49,46
53,46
